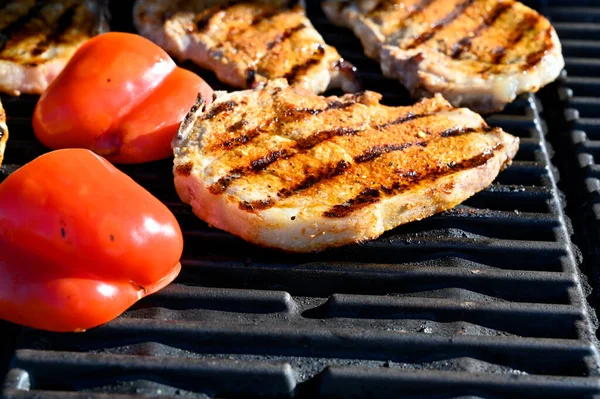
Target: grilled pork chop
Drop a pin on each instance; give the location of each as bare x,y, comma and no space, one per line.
246,42
37,38
284,168
3,132
477,53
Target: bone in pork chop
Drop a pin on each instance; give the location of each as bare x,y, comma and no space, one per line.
284,168
478,53
246,43
37,39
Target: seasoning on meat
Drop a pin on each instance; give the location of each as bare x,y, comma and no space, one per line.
478,53
246,43
284,168
37,38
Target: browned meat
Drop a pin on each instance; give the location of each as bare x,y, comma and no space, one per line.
3,132
246,42
477,53
37,38
284,168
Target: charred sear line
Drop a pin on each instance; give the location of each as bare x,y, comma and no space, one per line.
264,15
300,69
379,150
19,24
322,174
63,23
294,114
464,44
256,165
365,198
534,58
410,179
404,118
255,205
324,135
261,163
285,35
205,18
2,132
247,136
439,25
458,131
219,108
527,24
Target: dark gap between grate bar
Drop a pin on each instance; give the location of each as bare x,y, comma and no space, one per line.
484,300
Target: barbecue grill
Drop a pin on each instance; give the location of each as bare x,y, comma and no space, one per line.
486,300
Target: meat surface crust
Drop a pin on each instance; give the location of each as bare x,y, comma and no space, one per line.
3,132
37,38
246,43
478,53
284,168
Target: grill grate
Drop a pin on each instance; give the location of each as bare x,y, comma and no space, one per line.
579,90
481,301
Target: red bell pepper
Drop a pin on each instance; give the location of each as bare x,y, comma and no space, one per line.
80,242
121,96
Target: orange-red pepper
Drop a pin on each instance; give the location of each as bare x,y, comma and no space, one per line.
121,96
80,242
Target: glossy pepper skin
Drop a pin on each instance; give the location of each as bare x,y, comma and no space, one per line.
121,96
80,242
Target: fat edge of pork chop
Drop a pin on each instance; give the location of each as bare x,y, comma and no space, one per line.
477,53
3,133
246,43
39,38
305,191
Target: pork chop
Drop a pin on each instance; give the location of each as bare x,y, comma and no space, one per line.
37,38
246,43
284,168
478,53
3,132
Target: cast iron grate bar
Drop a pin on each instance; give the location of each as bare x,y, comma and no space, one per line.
578,91
484,300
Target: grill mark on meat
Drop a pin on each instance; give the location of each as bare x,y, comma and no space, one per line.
525,25
247,136
324,173
372,153
412,178
441,24
460,130
63,23
404,118
300,69
256,165
465,43
325,135
294,114
18,24
366,197
218,109
379,150
534,58
285,35
264,15
204,21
